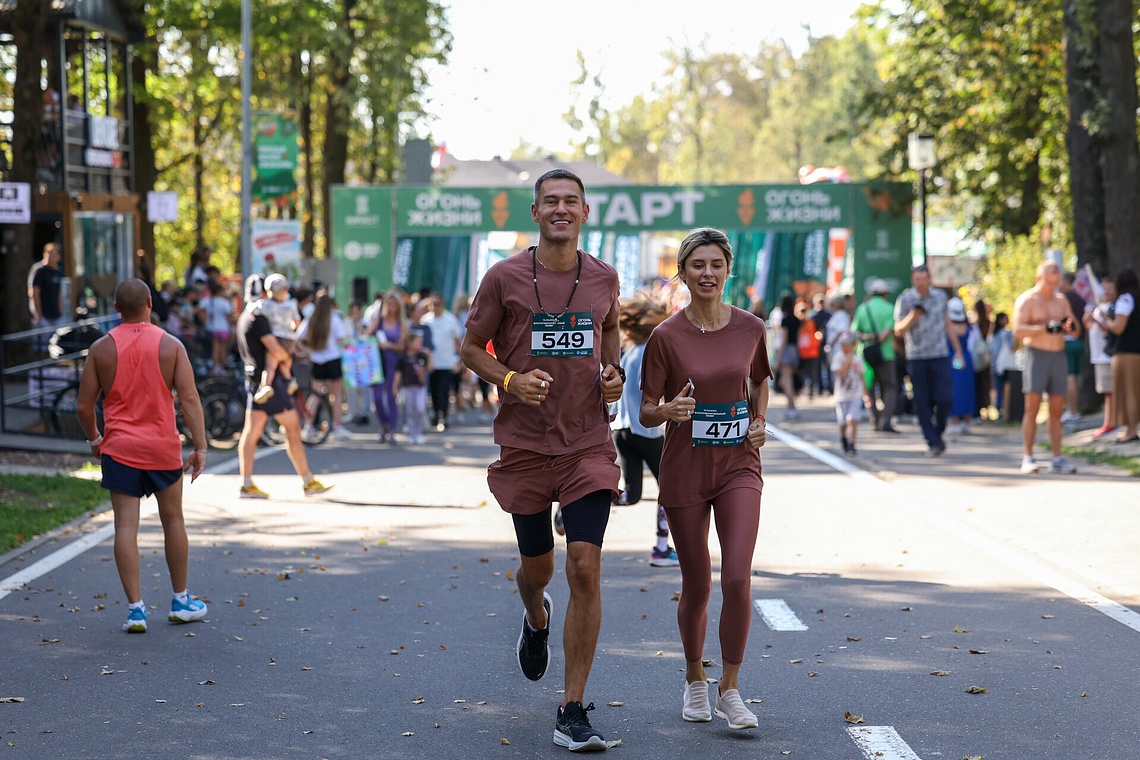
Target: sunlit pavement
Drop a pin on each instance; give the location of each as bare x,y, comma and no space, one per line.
380,619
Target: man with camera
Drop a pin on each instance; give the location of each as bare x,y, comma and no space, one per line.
922,322
1042,318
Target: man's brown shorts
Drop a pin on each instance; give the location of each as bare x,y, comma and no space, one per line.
524,482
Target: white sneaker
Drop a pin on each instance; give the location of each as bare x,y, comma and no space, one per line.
731,707
341,434
1070,417
697,708
1028,466
1062,466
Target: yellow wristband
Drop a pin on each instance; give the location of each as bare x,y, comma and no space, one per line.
507,381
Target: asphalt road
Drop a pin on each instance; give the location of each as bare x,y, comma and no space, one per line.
381,619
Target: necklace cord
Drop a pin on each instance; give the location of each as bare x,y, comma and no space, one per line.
534,276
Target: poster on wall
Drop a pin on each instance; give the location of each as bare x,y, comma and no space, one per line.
276,246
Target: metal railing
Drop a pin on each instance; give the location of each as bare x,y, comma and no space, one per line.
39,376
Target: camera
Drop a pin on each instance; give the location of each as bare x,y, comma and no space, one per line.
1054,326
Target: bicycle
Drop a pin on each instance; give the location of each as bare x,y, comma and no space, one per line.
314,412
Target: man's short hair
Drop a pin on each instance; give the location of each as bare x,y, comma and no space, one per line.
558,174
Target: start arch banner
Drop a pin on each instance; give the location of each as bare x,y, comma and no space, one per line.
367,220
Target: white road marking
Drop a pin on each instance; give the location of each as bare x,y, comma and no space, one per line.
778,615
881,743
79,546
949,523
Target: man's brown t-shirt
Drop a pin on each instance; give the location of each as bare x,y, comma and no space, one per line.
574,416
720,364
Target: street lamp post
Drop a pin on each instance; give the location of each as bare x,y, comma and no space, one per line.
921,157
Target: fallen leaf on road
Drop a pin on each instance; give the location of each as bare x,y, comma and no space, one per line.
9,700
615,703
961,630
504,741
978,651
510,576
940,673
407,733
207,682
977,690
418,700
1084,693
1046,617
852,718
751,701
458,701
854,638
796,661
305,667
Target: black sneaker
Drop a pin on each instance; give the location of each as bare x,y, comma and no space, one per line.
534,651
573,731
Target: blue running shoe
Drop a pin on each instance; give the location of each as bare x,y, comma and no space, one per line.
184,612
136,621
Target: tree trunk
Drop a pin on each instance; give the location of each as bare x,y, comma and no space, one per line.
1120,157
199,179
337,118
305,81
1085,183
143,149
29,23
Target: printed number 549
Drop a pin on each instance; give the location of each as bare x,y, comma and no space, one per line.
563,340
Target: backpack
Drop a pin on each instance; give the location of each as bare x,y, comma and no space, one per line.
808,340
979,351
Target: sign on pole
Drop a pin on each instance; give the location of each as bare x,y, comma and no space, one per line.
15,203
161,206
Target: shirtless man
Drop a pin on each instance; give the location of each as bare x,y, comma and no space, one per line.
1042,318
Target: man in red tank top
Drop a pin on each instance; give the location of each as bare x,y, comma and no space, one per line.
134,369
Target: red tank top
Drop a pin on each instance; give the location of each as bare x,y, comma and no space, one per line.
139,428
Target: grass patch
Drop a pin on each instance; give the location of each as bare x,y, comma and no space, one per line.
1098,456
34,504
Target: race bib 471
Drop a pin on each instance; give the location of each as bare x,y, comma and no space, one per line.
720,424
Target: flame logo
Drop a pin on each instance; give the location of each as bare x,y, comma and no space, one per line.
573,320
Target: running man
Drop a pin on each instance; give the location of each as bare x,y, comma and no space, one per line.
552,313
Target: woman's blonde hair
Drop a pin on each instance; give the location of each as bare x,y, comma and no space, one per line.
697,238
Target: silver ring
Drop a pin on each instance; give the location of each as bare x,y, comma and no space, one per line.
542,384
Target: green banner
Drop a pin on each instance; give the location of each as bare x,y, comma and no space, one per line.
274,158
629,209
881,237
780,230
362,240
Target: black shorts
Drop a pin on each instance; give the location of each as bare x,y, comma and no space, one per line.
585,520
281,402
333,370
122,478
